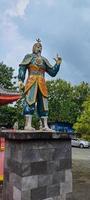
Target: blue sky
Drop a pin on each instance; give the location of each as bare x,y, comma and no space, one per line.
63,27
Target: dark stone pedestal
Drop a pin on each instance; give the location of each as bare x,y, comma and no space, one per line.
37,166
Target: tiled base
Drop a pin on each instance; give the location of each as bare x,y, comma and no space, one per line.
37,168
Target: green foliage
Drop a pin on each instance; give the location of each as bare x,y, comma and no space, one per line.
7,116
6,74
7,113
83,122
86,137
60,97
65,100
80,94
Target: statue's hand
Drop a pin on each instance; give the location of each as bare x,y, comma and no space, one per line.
21,85
58,60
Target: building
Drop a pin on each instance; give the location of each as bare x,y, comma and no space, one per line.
7,96
63,127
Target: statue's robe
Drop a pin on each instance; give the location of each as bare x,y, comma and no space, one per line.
36,77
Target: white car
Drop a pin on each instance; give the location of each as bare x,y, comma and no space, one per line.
79,143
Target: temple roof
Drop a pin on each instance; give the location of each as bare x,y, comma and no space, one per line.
7,92
7,96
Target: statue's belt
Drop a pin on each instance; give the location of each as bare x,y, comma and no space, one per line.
36,73
37,70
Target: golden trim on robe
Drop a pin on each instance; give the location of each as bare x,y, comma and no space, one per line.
40,82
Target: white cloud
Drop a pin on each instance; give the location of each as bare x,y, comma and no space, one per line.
18,8
48,3
63,27
21,6
15,45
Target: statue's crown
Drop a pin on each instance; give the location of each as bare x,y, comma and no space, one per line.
38,40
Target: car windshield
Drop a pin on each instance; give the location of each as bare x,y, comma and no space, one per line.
75,139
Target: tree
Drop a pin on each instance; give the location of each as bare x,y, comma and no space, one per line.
7,112
80,94
83,122
6,75
60,100
65,100
7,116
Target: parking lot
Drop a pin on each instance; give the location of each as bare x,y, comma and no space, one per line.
81,173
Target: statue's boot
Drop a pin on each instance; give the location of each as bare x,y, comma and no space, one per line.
28,123
45,126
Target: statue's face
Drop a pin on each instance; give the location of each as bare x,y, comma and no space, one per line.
37,48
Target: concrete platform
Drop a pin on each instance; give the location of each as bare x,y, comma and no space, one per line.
37,166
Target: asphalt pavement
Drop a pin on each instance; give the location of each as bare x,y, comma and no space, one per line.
81,173
81,154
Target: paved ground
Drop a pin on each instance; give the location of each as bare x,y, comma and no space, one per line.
81,174
81,154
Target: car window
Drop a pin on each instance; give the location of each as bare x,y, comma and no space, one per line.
75,139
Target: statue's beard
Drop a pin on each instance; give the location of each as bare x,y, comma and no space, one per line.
38,52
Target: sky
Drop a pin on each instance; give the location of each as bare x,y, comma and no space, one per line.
63,27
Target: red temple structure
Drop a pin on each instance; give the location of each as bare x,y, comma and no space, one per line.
2,147
8,96
5,98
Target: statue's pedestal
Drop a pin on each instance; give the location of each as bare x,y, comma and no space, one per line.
37,166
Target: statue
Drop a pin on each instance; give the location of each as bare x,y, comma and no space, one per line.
35,89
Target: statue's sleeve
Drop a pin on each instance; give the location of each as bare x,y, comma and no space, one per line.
51,70
21,73
27,59
23,67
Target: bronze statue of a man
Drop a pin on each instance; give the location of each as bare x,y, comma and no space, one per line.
35,89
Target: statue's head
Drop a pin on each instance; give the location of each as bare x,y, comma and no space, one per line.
37,47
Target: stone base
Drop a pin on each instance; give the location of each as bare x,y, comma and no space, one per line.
37,166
